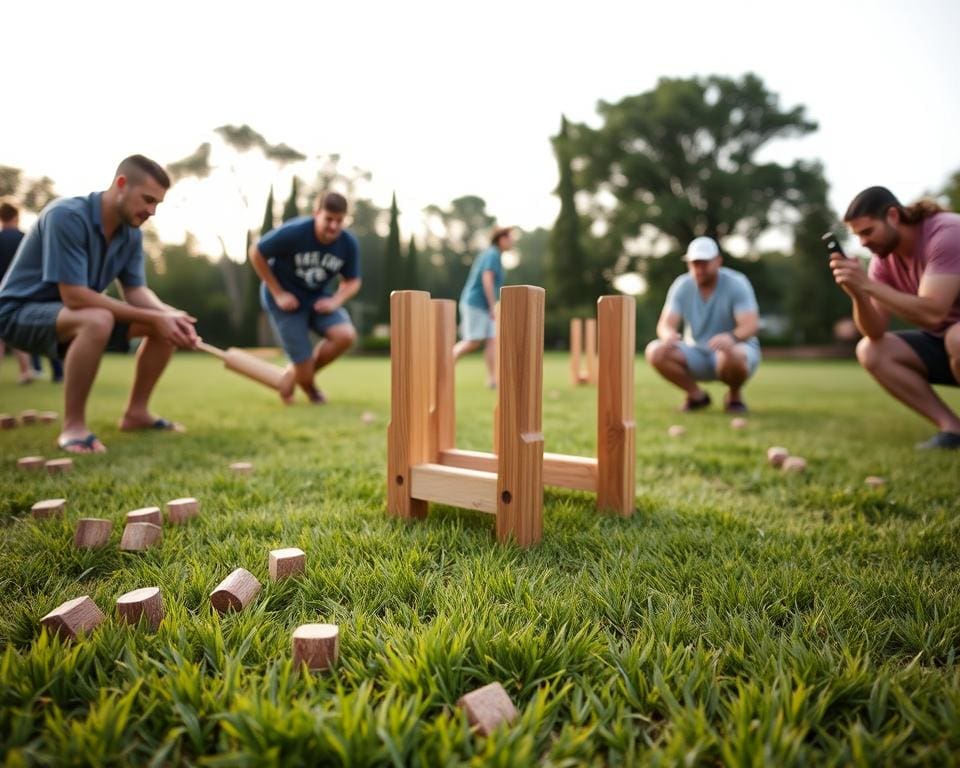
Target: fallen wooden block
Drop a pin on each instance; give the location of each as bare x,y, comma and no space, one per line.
145,515
141,603
78,615
92,532
7,421
286,562
794,464
316,645
28,416
59,466
242,467
368,417
738,422
235,592
47,417
140,536
48,508
677,431
776,455
875,482
488,707
181,510
31,463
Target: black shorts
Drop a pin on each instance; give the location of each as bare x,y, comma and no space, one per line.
933,352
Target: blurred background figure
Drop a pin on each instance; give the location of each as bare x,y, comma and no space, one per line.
10,237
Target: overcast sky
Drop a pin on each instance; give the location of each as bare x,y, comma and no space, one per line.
442,99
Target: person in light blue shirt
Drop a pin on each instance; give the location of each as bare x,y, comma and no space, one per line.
52,302
478,302
719,312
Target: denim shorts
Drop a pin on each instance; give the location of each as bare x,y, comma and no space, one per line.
475,323
293,328
702,361
32,327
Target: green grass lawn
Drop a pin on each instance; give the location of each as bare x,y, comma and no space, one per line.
740,617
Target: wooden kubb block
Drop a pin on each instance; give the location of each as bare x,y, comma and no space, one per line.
28,416
316,645
286,562
145,515
47,417
48,508
7,421
59,466
74,616
181,510
488,707
794,464
92,532
31,463
776,455
141,603
235,592
241,468
139,536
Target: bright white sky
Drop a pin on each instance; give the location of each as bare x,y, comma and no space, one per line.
441,99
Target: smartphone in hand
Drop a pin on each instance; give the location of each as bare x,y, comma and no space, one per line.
832,243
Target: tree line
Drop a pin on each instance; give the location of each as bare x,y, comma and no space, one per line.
662,167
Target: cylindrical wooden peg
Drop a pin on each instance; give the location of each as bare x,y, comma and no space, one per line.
48,508
316,645
794,464
139,536
59,466
235,592
74,616
31,463
92,532
145,602
145,515
286,562
181,510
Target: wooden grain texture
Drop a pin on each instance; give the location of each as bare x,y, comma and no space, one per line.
316,646
488,707
92,532
559,470
235,592
140,536
455,487
146,603
443,424
283,563
73,617
590,350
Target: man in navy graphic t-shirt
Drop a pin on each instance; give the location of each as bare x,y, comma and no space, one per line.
300,263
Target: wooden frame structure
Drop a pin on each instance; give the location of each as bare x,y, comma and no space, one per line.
583,341
424,464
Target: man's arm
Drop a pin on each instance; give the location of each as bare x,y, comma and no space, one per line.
489,280
285,300
348,288
668,326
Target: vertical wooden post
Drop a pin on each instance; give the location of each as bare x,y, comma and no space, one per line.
496,376
520,404
590,349
576,344
443,413
616,427
408,431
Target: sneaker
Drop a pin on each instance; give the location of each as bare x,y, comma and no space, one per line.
691,404
735,406
949,441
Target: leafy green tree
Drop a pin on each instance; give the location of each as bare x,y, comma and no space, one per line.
952,192
394,267
30,193
290,209
455,235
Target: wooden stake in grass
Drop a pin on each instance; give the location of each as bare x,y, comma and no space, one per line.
286,562
31,463
59,466
92,532
181,510
316,645
141,603
235,592
48,508
145,515
140,536
776,455
7,421
488,707
74,616
241,468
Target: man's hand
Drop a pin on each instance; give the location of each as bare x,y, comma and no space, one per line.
325,305
722,342
670,337
287,301
849,274
177,328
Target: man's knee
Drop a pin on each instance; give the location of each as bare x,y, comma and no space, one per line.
951,340
95,321
870,352
657,353
344,336
732,363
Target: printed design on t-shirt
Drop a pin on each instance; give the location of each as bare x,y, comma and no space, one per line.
314,268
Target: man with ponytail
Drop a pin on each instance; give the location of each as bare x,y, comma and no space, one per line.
914,273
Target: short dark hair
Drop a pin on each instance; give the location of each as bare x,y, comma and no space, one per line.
876,201
137,167
333,202
8,212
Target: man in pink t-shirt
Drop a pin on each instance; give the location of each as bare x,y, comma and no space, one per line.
914,274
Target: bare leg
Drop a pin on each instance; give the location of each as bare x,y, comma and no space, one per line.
87,330
490,358
670,363
732,370
337,340
898,369
26,370
152,358
465,346
952,342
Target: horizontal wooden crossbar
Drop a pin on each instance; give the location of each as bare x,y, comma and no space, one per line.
559,470
455,486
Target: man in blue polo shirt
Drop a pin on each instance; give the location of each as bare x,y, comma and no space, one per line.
719,312
299,263
52,302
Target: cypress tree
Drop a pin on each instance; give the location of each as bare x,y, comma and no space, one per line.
290,207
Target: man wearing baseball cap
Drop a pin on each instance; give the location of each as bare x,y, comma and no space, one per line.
719,312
